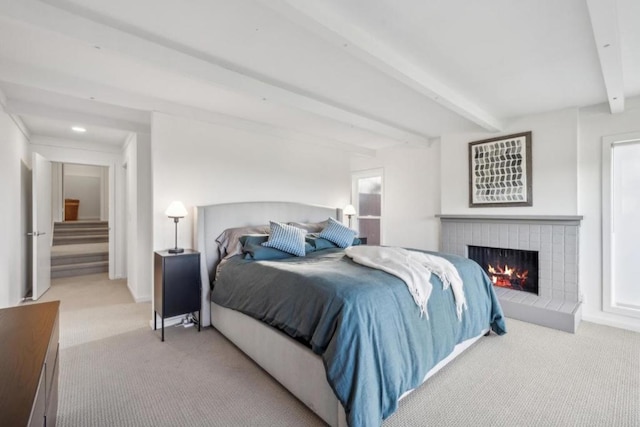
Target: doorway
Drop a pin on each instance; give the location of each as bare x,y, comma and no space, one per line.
367,198
80,206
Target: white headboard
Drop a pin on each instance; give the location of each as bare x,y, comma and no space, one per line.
212,220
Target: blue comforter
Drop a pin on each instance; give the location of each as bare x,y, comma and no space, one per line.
362,321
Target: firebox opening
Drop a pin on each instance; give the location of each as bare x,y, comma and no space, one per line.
508,268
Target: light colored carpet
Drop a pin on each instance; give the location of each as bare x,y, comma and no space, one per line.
93,307
191,379
533,376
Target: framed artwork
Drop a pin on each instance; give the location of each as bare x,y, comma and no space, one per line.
500,171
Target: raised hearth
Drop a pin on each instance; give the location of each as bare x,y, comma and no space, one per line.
555,238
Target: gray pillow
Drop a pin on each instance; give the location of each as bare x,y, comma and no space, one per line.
229,241
310,227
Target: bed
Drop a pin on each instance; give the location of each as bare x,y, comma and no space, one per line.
330,374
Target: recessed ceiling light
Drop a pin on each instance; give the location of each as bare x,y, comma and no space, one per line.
78,129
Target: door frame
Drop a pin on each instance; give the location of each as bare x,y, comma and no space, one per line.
113,162
368,173
608,301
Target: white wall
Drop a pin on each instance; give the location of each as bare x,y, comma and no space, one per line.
15,163
411,194
567,151
144,227
129,162
554,171
57,196
137,158
202,163
84,183
596,123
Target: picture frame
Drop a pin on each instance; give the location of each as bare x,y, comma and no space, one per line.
500,171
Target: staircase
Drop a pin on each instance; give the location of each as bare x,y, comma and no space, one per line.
78,232
79,248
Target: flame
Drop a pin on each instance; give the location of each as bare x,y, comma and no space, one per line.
508,271
506,276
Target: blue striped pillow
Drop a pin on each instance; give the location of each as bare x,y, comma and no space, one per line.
286,238
338,233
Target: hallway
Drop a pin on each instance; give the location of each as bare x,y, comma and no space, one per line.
92,308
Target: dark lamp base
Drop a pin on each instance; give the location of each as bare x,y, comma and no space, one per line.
176,251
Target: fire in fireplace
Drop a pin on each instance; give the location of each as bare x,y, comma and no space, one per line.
508,268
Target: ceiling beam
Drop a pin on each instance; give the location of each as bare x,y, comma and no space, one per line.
26,108
316,16
50,141
85,25
71,86
604,23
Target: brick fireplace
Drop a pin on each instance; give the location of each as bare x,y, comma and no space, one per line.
554,238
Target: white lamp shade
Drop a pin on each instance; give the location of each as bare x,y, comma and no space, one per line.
176,210
349,210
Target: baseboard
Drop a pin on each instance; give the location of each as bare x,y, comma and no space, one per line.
630,324
146,298
133,295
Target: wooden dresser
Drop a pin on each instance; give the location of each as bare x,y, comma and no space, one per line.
29,364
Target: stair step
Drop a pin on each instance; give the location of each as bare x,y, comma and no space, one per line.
71,262
59,271
82,224
82,236
82,231
82,221
78,258
80,265
74,240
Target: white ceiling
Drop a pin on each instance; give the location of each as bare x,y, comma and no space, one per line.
360,74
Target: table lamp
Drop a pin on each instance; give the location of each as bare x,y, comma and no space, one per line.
176,210
349,211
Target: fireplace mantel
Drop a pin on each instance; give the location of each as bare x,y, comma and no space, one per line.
512,219
555,237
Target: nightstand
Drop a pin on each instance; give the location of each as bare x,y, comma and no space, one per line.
363,240
176,285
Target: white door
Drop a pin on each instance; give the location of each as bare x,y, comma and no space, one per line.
42,234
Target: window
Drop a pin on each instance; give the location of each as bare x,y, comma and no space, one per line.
367,199
621,232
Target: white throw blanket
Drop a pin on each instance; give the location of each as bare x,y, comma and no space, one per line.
414,268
